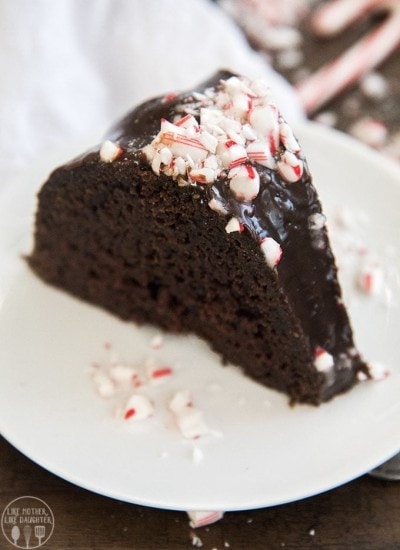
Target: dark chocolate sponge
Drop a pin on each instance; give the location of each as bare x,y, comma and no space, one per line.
152,251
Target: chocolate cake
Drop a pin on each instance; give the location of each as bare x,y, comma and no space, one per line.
198,215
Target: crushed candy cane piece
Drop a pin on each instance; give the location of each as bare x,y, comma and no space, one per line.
157,372
202,175
168,127
122,374
244,182
260,153
196,541
109,151
231,154
185,147
191,423
288,139
217,206
180,400
233,225
323,361
209,141
187,122
189,420
290,167
138,407
265,121
225,135
272,251
377,372
202,518
161,372
165,156
225,132
371,279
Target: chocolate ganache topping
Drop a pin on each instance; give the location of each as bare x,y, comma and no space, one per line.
229,141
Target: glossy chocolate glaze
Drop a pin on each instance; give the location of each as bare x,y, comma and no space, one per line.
281,210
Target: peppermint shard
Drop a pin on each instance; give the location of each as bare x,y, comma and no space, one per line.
198,214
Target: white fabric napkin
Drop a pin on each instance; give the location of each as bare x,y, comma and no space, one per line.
69,68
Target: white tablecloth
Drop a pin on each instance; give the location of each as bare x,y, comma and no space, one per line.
69,68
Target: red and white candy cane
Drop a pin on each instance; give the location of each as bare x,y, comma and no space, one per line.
365,55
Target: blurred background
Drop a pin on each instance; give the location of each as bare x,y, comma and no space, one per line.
71,67
341,55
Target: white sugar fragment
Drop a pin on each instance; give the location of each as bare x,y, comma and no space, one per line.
191,423
217,206
232,226
323,360
104,385
378,371
180,400
122,374
196,541
165,155
272,251
362,377
109,151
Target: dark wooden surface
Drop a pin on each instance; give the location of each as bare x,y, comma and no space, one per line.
361,515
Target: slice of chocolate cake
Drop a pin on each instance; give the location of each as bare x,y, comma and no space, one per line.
198,215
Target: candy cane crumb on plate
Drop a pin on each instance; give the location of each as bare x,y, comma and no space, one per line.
131,388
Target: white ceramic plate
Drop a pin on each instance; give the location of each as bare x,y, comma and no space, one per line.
266,453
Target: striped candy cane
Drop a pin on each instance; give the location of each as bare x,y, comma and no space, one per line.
365,55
